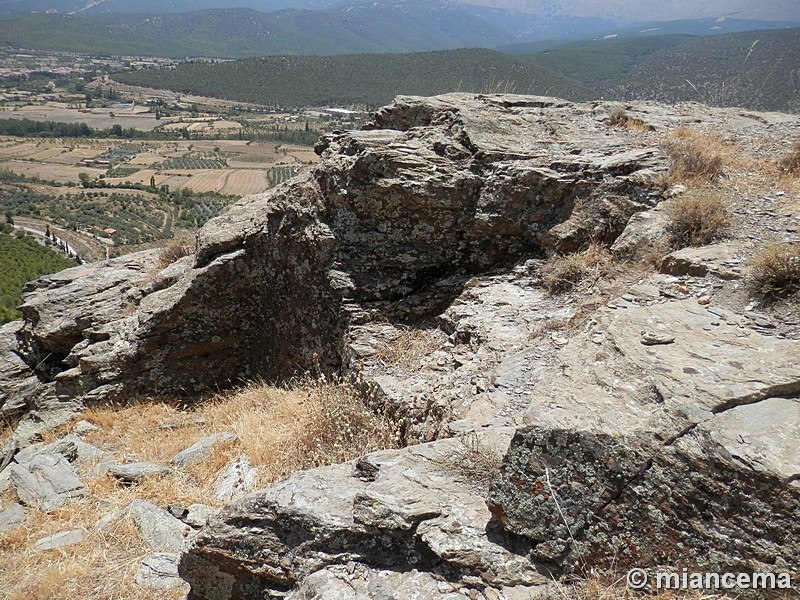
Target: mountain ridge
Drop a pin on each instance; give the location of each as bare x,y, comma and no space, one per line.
620,11
346,28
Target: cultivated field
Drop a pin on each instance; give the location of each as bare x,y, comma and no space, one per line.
236,182
229,167
49,171
99,118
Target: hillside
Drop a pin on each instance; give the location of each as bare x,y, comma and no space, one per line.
374,27
227,31
756,70
22,260
751,69
20,7
372,80
585,14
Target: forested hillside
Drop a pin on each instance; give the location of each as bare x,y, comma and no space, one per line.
236,33
757,70
370,80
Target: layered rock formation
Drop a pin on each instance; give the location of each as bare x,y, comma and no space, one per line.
451,185
658,431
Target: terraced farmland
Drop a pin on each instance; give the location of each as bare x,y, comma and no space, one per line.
193,163
236,182
278,175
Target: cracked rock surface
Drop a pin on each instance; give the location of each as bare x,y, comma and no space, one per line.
651,420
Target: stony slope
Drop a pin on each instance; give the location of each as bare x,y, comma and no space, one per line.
649,420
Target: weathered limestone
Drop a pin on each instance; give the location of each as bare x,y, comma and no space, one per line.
159,571
387,213
418,508
11,517
236,479
723,260
659,453
160,530
59,540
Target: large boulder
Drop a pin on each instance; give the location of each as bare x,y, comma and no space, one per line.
666,436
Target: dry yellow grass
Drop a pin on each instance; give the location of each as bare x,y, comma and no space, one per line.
177,249
698,217
695,156
775,270
281,430
561,273
620,118
102,566
789,165
406,350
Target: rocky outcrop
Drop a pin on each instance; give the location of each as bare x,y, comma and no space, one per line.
626,453
448,185
642,426
654,454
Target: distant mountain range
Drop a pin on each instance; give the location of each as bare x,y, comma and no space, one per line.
615,11
102,27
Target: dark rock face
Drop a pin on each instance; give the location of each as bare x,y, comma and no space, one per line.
453,184
689,505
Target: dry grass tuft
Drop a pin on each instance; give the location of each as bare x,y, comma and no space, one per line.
175,251
407,349
775,270
698,217
620,118
310,425
598,587
561,273
695,156
475,460
789,165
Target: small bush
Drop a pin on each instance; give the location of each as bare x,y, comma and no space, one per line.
339,427
475,460
698,218
776,270
175,251
790,164
561,273
620,118
407,349
695,156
